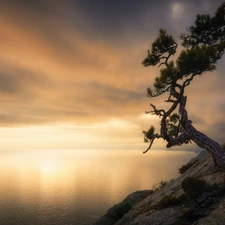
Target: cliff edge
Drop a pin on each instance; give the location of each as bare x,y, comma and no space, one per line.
196,197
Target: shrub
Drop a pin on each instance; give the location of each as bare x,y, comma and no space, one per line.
160,185
193,187
187,166
166,201
163,183
155,187
186,218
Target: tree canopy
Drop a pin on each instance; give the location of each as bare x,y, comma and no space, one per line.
203,46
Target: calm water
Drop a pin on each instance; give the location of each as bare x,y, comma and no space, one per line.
76,187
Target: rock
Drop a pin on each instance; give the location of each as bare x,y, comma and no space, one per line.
166,216
216,215
116,212
139,208
206,195
203,154
207,202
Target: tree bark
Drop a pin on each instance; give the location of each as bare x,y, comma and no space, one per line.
189,133
203,141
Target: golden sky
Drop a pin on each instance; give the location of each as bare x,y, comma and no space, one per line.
71,73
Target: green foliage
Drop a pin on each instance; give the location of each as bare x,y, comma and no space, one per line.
167,201
164,44
204,45
148,135
187,166
155,187
172,124
163,183
150,92
195,61
206,42
207,30
174,118
162,48
193,187
167,74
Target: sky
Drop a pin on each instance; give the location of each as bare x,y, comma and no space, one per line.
71,75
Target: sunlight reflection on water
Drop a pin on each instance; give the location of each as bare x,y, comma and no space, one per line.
76,187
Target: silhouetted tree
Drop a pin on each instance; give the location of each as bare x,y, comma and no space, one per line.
204,45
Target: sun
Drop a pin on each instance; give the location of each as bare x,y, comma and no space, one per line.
49,167
177,10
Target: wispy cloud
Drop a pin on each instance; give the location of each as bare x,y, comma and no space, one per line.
76,62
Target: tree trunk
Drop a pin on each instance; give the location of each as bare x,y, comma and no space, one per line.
188,132
215,149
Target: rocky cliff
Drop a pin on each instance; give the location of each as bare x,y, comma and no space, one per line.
196,197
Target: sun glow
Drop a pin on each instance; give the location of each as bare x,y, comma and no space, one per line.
69,136
177,10
49,167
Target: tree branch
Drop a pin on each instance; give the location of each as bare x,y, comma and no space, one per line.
151,142
160,112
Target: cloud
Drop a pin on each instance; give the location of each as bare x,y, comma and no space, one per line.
17,81
79,63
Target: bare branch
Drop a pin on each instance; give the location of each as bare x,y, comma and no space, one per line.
169,99
151,142
188,81
160,112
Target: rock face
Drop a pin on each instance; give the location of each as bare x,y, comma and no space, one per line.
169,205
116,212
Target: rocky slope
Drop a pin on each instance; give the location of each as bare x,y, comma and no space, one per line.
176,203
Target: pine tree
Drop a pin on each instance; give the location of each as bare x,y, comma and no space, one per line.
203,46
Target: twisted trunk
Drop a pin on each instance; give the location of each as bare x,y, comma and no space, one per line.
215,149
203,141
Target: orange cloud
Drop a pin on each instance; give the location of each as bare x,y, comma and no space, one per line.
60,67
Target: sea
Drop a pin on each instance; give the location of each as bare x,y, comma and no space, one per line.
76,187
